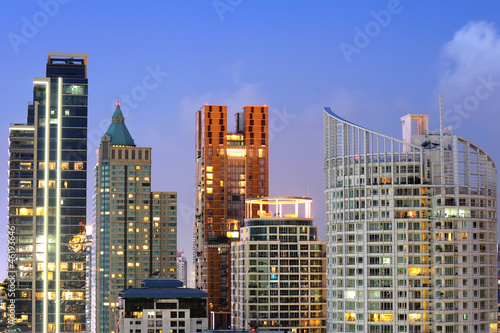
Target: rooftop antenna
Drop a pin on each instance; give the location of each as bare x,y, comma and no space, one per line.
441,138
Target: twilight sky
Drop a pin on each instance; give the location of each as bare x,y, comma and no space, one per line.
371,62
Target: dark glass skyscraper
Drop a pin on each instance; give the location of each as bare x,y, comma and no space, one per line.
47,201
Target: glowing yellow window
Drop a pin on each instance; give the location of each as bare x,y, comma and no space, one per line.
261,153
210,176
24,211
52,165
414,316
78,266
210,190
78,165
64,166
386,317
210,182
350,316
69,318
210,168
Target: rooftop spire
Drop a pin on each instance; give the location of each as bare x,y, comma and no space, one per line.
117,130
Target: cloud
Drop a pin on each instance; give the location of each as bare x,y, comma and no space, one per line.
469,80
474,51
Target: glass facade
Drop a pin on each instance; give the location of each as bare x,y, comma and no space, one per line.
47,201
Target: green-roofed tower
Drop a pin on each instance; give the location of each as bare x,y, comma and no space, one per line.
134,230
117,131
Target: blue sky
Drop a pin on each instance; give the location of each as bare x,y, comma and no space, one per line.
372,62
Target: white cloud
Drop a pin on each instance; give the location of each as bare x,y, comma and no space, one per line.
474,51
470,79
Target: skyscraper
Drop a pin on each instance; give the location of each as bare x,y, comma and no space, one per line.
278,268
411,230
135,229
182,268
229,168
47,201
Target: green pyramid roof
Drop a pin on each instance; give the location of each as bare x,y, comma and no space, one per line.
117,131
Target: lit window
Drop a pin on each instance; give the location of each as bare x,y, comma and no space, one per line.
387,317
236,152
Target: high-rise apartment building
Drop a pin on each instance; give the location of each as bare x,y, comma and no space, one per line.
411,230
278,268
135,229
229,168
47,201
182,268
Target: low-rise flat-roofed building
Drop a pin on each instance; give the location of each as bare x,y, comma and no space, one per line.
161,306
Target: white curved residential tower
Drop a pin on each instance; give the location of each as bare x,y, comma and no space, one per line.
411,230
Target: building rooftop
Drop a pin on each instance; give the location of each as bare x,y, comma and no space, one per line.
118,130
279,207
162,288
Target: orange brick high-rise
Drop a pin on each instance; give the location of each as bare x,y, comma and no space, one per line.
230,167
